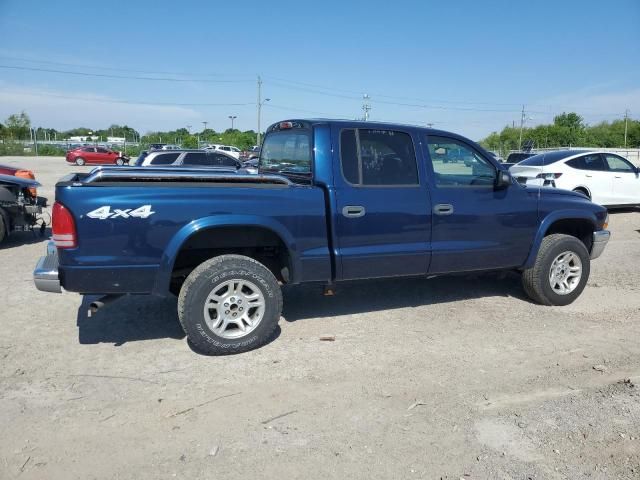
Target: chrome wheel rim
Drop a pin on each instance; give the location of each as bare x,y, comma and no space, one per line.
234,308
565,273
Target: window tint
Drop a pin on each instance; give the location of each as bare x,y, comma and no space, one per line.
456,164
88,149
165,159
287,151
222,160
588,162
349,157
102,150
378,157
617,164
196,158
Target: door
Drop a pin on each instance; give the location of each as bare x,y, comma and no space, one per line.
91,156
593,173
382,214
104,156
626,184
475,226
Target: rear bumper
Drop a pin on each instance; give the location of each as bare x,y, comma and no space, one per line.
45,275
600,239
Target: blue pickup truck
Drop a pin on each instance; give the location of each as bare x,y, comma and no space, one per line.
333,201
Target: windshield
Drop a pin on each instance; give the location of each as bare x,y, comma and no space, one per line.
287,152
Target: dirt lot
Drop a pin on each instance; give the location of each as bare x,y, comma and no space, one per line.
450,377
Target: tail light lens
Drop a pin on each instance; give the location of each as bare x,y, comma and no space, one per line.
63,227
549,176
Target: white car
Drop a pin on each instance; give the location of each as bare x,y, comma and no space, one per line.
233,151
605,178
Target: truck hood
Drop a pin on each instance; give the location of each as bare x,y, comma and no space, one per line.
545,191
21,182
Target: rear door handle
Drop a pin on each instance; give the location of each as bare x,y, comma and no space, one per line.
588,176
443,209
353,211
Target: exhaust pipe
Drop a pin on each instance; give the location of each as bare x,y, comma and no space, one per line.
101,302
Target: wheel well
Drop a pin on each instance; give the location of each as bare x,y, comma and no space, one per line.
258,243
584,190
582,229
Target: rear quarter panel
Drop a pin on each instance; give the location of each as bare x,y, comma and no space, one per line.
135,255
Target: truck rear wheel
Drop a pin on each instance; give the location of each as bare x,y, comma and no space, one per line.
560,272
229,304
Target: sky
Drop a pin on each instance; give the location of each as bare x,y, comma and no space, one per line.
465,66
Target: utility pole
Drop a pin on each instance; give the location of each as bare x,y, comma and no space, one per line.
366,106
626,119
232,118
429,125
259,107
522,117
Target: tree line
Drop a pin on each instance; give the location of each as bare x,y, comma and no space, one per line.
567,129
17,127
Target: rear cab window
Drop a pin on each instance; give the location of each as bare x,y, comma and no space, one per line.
378,157
287,151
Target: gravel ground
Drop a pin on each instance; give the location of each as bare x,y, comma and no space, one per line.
452,378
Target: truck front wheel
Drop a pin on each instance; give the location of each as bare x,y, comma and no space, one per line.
229,304
560,272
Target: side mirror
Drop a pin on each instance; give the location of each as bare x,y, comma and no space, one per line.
503,180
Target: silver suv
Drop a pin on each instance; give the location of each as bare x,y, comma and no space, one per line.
189,158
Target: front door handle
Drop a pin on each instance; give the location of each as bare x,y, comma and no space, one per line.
443,209
353,211
588,176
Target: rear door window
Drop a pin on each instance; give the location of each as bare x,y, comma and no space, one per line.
223,161
592,162
196,158
165,159
371,157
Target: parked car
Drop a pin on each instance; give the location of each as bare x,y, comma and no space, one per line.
251,166
606,178
250,154
517,157
335,200
156,146
233,151
20,207
190,158
170,147
96,156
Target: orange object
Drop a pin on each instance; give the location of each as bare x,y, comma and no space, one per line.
28,174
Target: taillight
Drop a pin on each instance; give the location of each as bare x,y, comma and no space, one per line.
549,176
63,227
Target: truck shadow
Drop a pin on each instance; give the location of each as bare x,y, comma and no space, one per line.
18,239
135,318
128,319
305,302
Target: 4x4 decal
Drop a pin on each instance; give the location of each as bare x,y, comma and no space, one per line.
105,212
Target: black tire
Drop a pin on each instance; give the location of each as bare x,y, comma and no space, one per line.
120,161
3,227
215,273
80,161
536,279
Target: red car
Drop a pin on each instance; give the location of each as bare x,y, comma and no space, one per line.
96,156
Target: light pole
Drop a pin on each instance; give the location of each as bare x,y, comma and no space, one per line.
260,104
232,118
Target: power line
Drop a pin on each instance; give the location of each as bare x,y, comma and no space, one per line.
103,67
127,102
127,77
